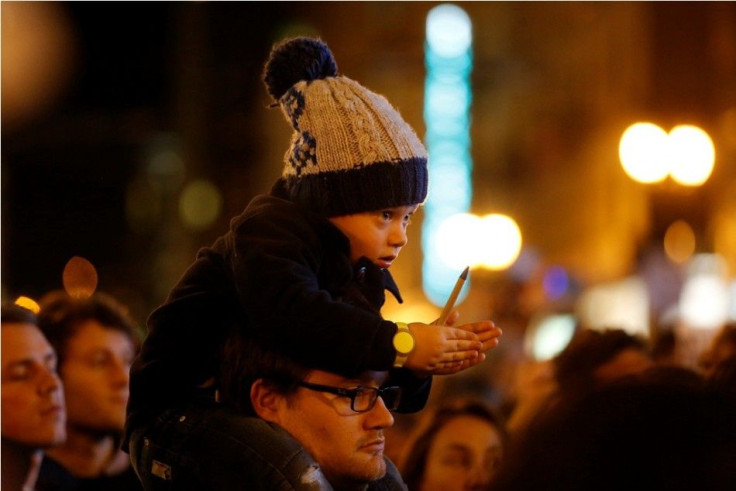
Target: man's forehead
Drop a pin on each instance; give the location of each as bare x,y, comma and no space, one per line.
22,341
367,378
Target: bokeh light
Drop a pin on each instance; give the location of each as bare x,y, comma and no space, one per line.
457,243
679,241
491,242
200,204
500,242
623,304
449,30
79,277
555,282
643,152
447,99
548,334
28,303
648,154
693,155
704,299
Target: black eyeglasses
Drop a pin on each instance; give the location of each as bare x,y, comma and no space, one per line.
362,399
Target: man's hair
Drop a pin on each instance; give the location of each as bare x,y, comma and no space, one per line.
61,316
245,360
415,461
15,314
588,350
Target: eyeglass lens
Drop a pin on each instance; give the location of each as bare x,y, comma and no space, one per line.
365,398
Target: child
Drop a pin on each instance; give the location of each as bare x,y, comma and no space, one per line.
303,269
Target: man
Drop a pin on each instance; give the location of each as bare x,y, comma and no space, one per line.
287,427
339,421
96,342
33,414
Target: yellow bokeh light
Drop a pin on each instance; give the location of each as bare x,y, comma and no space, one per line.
679,241
693,155
490,242
200,204
643,151
500,242
28,303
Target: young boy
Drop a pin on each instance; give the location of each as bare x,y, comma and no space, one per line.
303,269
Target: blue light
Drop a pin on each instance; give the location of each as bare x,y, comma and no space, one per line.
449,61
555,282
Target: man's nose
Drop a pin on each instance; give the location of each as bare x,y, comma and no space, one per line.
379,416
479,477
120,373
50,382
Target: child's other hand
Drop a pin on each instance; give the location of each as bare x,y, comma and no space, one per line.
487,333
486,330
442,349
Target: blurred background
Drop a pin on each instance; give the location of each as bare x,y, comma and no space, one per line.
133,131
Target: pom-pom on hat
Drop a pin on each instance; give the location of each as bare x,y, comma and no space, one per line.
351,151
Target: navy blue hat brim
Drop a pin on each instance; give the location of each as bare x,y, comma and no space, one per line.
372,187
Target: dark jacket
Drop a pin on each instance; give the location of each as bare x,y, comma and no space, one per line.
285,276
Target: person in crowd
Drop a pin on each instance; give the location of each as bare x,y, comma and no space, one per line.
592,358
596,357
304,269
33,414
276,425
460,448
722,346
659,429
96,340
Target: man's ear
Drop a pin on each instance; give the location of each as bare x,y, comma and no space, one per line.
266,401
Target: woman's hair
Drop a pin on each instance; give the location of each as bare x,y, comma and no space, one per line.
415,459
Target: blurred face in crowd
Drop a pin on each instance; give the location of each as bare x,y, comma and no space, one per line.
464,455
376,235
348,445
628,362
95,373
32,398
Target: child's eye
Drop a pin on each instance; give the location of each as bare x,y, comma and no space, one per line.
386,215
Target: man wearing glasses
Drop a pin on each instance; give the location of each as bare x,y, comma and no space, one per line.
286,427
340,421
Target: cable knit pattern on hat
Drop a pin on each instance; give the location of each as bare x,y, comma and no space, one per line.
351,151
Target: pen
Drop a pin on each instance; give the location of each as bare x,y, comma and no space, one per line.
453,297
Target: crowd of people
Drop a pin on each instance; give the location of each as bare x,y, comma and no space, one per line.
609,415
270,365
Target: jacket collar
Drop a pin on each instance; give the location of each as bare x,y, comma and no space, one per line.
367,269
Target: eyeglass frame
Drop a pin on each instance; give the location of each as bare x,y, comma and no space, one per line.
353,393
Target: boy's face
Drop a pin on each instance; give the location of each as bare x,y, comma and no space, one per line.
378,235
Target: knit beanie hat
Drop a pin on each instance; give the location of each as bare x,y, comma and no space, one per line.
351,151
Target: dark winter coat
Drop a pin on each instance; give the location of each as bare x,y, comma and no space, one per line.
285,276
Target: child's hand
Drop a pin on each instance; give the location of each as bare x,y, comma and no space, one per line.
487,333
442,349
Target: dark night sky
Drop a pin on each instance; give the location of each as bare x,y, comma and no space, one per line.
126,88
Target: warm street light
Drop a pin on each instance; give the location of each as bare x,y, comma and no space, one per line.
648,154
